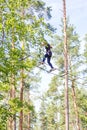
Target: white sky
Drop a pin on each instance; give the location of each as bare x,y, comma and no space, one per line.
76,10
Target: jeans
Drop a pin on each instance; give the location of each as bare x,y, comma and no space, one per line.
48,59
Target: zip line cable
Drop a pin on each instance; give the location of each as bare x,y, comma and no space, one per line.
51,72
43,68
59,75
29,55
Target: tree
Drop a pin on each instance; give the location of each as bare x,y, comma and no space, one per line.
73,61
66,68
20,21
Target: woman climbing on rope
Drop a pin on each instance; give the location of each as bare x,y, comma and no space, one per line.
48,55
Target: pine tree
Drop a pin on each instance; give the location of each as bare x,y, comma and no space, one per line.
66,68
73,58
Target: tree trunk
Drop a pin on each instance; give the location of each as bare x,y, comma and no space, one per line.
66,69
3,32
21,99
75,106
22,84
28,121
12,122
29,112
74,98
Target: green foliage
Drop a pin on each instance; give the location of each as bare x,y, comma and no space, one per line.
4,87
82,103
4,114
22,29
16,106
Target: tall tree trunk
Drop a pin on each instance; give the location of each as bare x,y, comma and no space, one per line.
75,106
12,123
12,95
66,68
21,99
21,93
22,82
74,97
29,121
3,32
29,112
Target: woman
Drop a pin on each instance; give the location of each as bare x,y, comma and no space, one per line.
48,55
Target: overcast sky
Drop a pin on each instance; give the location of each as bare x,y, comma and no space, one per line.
76,10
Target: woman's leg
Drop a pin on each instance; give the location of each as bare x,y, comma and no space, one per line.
48,60
44,58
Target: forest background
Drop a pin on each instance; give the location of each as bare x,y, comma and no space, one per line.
23,83
76,11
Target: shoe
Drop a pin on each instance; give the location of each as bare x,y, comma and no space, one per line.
42,62
52,69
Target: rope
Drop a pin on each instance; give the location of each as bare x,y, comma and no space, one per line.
43,68
51,72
